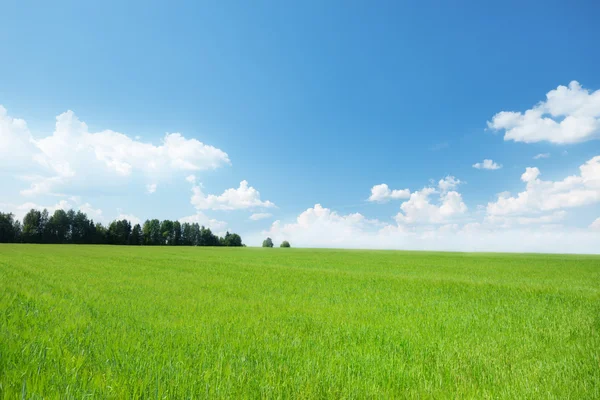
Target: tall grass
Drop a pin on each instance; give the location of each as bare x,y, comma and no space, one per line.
114,322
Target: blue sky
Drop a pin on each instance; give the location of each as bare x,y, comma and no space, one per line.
313,103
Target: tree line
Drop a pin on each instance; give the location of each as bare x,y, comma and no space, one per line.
75,227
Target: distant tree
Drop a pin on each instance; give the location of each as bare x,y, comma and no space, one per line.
196,234
176,233
31,227
80,226
100,234
18,231
267,242
235,240
187,234
232,240
136,238
75,227
285,243
207,238
146,232
119,232
7,228
166,232
46,228
151,232
57,228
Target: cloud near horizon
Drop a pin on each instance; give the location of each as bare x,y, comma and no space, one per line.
430,217
320,227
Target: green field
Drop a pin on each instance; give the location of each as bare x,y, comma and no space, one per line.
160,322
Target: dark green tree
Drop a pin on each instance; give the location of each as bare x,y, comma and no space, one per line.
231,239
100,234
136,235
58,227
166,232
80,227
176,233
267,242
32,232
186,234
7,228
75,227
18,231
285,243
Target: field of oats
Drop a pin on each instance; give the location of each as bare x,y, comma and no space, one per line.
183,322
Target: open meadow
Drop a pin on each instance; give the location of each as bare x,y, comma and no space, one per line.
186,322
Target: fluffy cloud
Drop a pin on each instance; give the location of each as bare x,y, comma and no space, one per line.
508,221
216,226
543,196
74,154
487,164
321,227
339,229
382,193
92,213
420,210
569,115
244,197
16,143
595,224
541,155
129,217
448,183
259,216
19,210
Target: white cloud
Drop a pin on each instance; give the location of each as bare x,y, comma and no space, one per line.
487,164
419,209
216,226
541,155
322,227
448,183
569,115
129,217
42,185
543,196
339,229
72,154
259,216
595,224
505,221
16,144
243,197
382,193
151,188
92,213
19,210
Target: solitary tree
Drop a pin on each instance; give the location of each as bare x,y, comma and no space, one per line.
267,242
285,243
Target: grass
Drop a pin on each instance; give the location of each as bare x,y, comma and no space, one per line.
159,322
